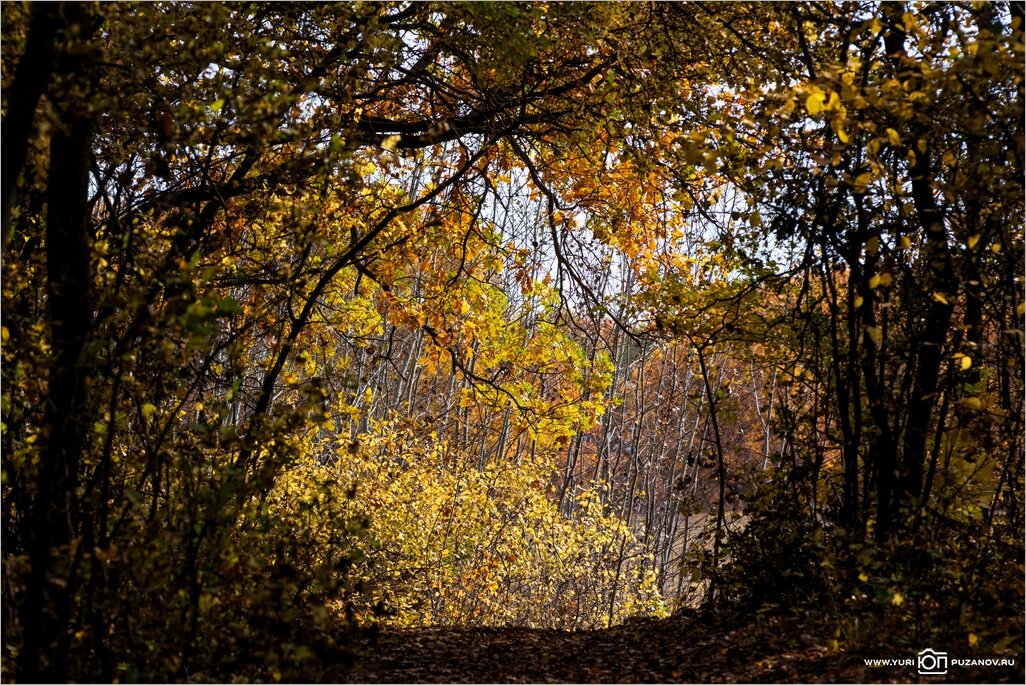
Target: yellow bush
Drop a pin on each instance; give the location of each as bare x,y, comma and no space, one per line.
453,544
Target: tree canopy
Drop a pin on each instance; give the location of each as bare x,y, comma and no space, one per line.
325,316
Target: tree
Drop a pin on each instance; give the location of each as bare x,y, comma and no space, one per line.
889,165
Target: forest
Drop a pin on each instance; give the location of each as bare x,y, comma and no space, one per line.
327,323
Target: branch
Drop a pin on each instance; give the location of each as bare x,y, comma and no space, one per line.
348,258
561,260
373,130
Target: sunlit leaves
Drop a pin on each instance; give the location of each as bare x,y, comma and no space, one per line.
452,544
816,102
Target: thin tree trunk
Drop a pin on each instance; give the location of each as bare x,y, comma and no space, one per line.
31,79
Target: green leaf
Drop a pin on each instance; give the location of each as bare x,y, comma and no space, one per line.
228,305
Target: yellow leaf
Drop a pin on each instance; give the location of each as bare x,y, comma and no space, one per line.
872,245
904,243
148,410
1020,308
874,281
885,279
995,248
966,362
941,297
973,240
858,301
897,599
863,577
838,125
973,639
893,138
816,102
862,182
874,334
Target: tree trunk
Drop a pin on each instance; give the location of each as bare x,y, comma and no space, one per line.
53,524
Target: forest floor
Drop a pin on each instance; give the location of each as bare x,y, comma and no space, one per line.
689,648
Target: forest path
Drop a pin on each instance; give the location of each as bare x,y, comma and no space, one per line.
687,648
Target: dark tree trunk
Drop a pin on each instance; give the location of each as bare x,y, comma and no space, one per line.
54,518
930,351
53,523
939,286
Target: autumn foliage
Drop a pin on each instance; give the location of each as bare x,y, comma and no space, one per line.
325,318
